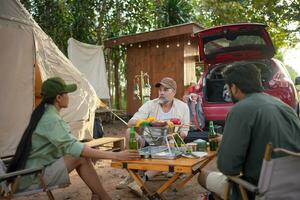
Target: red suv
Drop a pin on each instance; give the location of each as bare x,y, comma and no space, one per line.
222,45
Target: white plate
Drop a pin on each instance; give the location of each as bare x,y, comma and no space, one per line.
199,153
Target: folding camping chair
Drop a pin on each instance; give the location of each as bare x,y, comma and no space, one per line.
279,177
8,188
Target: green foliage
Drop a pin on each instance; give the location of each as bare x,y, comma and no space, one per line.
122,18
54,18
172,12
126,17
83,25
279,15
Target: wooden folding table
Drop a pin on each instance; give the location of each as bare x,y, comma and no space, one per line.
189,166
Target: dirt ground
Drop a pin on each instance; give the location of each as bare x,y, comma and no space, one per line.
111,177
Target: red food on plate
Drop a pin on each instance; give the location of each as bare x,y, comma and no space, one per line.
176,121
158,123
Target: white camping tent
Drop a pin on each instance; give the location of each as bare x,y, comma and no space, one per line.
89,59
27,57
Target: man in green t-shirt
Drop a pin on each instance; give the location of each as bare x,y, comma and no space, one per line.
255,120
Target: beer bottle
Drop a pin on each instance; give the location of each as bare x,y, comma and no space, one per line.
132,141
177,139
213,143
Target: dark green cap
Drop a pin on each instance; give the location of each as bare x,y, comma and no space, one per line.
56,85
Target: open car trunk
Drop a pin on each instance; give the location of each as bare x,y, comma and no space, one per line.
214,82
235,42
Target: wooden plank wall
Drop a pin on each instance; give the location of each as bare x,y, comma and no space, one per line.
158,63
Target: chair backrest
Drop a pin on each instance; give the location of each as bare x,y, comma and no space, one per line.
280,177
3,186
8,189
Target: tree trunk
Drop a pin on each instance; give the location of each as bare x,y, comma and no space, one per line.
117,82
108,65
102,13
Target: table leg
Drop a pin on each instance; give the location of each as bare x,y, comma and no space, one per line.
182,183
167,184
195,171
158,194
139,181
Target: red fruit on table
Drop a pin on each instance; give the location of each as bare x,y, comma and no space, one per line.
175,121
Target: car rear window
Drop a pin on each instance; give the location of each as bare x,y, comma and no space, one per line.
222,44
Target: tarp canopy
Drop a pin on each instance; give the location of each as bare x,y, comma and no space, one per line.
89,60
27,57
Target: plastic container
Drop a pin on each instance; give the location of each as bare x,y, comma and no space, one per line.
201,145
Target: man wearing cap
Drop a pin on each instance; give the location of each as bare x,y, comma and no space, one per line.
47,142
163,108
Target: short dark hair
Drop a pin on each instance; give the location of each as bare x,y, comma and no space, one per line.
246,76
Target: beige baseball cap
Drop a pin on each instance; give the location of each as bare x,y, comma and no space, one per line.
167,82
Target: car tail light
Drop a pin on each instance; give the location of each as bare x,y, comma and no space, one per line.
273,84
278,83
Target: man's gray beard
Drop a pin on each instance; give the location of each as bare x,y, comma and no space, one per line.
163,100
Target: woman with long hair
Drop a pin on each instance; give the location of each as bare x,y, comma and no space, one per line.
47,142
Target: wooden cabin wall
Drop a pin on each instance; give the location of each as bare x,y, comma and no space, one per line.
158,63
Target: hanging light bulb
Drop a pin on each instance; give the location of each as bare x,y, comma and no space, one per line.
157,46
178,45
168,46
131,45
189,42
140,45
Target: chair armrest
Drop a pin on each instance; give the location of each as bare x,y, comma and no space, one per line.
6,160
21,172
248,186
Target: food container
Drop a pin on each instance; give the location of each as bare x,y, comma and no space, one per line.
159,152
201,145
154,135
192,145
166,155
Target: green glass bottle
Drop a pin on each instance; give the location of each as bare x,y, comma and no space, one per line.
213,143
132,141
177,139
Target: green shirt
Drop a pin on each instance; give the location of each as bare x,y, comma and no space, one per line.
250,125
51,140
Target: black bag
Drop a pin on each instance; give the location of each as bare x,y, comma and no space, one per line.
194,135
98,128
